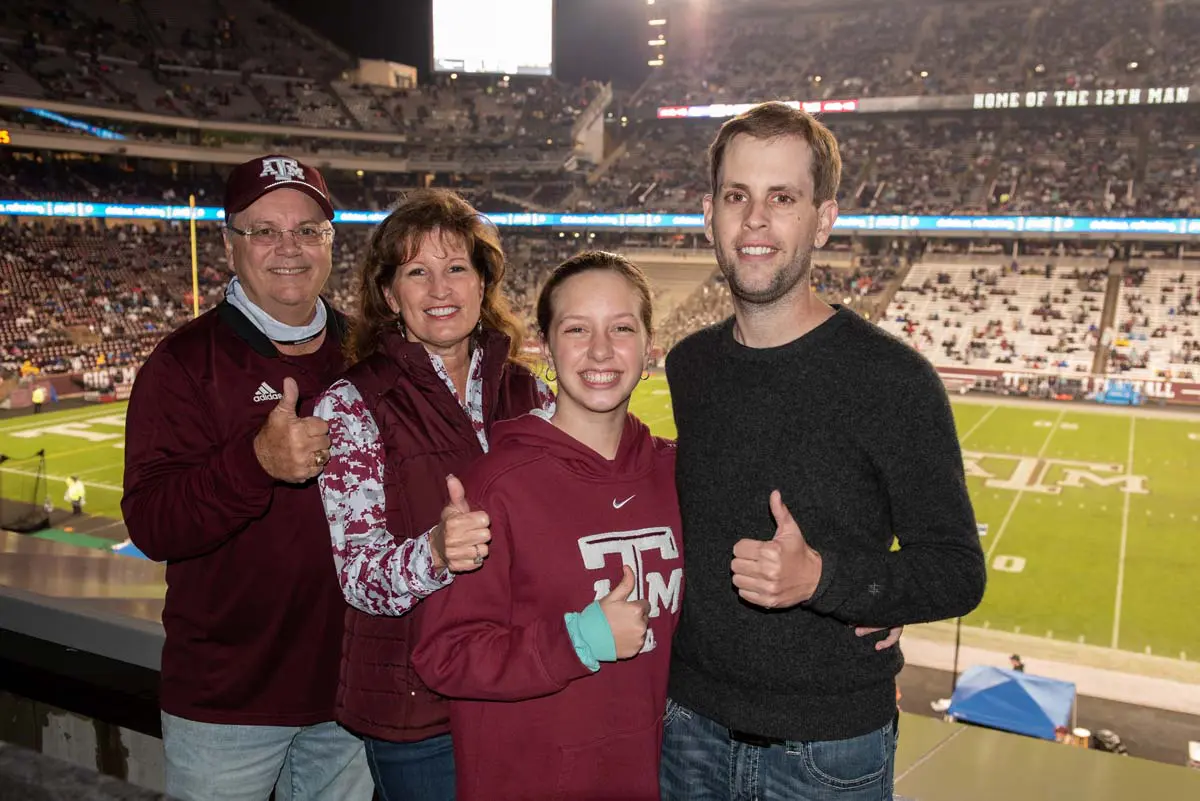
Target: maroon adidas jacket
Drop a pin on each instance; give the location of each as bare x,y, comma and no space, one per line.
528,719
253,613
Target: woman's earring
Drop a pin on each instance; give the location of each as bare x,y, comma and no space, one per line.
400,326
551,375
646,374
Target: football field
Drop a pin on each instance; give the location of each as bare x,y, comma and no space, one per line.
1090,518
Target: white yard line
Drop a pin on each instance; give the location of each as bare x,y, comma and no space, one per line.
1186,414
106,525
106,444
1016,500
1116,635
87,484
978,423
929,756
53,419
653,421
97,469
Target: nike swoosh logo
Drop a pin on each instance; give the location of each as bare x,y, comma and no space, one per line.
622,503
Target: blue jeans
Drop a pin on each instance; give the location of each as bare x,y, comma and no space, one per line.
223,762
420,771
702,761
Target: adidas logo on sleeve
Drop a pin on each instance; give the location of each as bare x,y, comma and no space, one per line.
266,393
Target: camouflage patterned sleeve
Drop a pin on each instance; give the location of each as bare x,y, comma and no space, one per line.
545,395
378,575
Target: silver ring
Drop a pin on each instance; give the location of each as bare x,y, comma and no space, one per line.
478,559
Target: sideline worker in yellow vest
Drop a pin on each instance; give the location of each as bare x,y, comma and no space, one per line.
75,494
39,397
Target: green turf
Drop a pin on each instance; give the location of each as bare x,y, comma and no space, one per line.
75,538
87,442
1067,544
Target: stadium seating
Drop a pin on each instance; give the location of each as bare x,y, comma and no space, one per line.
893,49
1032,318
1097,162
1158,322
82,297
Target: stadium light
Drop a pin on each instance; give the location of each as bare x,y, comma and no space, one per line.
655,62
1133,65
506,78
924,73
817,79
656,22
659,42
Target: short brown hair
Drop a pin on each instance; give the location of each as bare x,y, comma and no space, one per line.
396,241
776,119
582,263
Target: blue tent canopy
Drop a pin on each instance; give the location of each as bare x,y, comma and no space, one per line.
1011,701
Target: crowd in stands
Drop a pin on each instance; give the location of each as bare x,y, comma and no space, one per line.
1038,318
1071,162
77,297
1158,325
248,62
896,49
1089,163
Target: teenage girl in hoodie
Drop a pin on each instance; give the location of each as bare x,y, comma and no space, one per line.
555,653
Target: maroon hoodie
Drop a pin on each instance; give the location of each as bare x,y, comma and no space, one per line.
538,723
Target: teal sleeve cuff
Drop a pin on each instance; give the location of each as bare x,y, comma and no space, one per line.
591,636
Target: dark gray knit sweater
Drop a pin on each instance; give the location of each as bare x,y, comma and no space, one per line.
854,428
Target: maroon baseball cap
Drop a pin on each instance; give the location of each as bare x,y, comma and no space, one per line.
250,181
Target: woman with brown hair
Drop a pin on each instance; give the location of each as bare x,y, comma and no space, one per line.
434,358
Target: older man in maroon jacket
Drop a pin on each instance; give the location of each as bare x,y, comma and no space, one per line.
221,457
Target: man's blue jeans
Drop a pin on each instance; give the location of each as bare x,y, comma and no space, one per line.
703,761
222,762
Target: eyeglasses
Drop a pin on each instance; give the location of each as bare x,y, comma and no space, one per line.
272,237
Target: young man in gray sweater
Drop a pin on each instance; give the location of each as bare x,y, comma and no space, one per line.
808,441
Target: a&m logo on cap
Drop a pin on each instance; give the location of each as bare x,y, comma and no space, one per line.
282,169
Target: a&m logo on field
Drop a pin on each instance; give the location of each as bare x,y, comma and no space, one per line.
1048,476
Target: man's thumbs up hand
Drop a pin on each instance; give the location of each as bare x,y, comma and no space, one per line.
460,541
627,619
781,572
289,447
286,408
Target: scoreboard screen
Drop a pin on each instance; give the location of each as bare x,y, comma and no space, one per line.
502,37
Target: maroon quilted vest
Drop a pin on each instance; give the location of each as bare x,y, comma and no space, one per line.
426,435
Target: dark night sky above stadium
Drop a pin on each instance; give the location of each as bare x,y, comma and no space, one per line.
597,39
